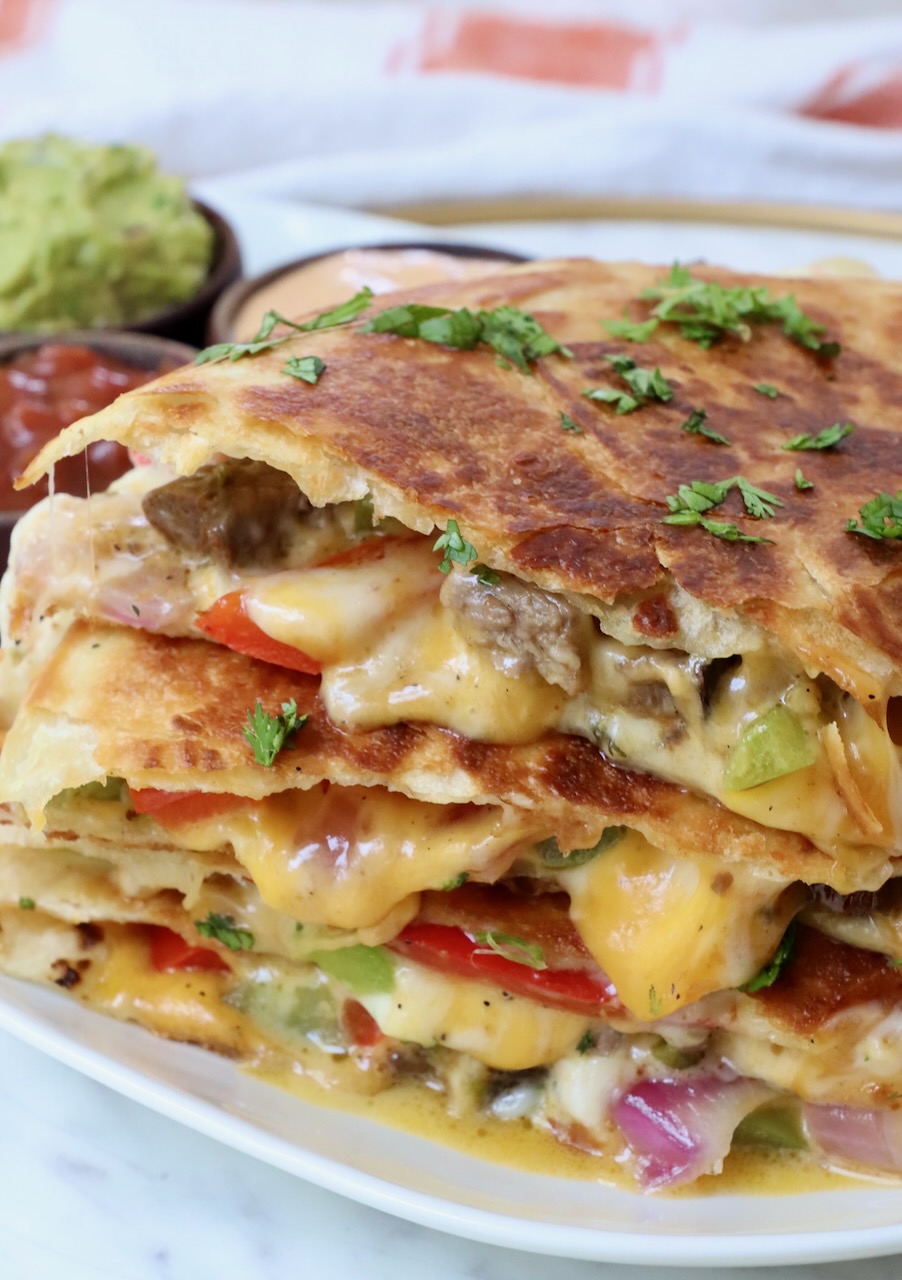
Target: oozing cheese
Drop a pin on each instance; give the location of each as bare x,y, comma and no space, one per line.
504,1031
669,929
349,857
391,652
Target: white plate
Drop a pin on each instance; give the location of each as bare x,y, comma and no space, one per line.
398,1172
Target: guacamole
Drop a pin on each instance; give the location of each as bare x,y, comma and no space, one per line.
93,235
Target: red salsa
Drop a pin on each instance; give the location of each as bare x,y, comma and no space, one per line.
46,389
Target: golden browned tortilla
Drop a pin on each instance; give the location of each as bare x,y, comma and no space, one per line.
435,433
163,712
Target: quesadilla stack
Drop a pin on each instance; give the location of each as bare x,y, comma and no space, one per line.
498,688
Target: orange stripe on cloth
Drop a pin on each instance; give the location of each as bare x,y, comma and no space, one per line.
867,93
22,22
603,55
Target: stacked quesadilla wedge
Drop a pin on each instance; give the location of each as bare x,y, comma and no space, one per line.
496,685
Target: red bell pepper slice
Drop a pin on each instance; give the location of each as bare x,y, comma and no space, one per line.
227,623
451,950
170,808
169,952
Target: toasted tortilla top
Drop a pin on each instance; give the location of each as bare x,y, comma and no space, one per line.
435,433
169,713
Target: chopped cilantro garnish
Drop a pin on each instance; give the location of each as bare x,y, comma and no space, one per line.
705,311
688,505
622,401
724,529
586,1043
488,577
266,735
826,439
454,548
262,341
801,482
27,904
765,389
567,424
511,948
225,930
695,425
767,976
631,330
517,337
880,518
758,502
646,384
307,368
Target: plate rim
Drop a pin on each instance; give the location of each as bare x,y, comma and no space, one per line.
882,224
425,1209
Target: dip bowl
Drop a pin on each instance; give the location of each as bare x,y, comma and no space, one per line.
140,351
321,280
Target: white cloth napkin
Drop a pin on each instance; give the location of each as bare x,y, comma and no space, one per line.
375,103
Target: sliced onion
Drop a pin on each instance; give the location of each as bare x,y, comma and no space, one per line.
132,602
678,1130
871,1137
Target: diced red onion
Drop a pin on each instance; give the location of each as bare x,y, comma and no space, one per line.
679,1130
871,1137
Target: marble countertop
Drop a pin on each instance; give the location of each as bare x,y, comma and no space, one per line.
96,1187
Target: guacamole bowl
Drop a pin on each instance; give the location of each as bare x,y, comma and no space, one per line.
98,236
188,321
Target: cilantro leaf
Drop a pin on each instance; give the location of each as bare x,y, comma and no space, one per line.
767,976
647,384
705,311
586,1043
622,401
516,337
631,330
567,424
225,930
262,341
454,547
511,948
758,502
880,518
724,529
266,735
403,321
695,425
688,504
307,368
488,577
27,904
342,314
801,482
699,495
826,439
765,389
